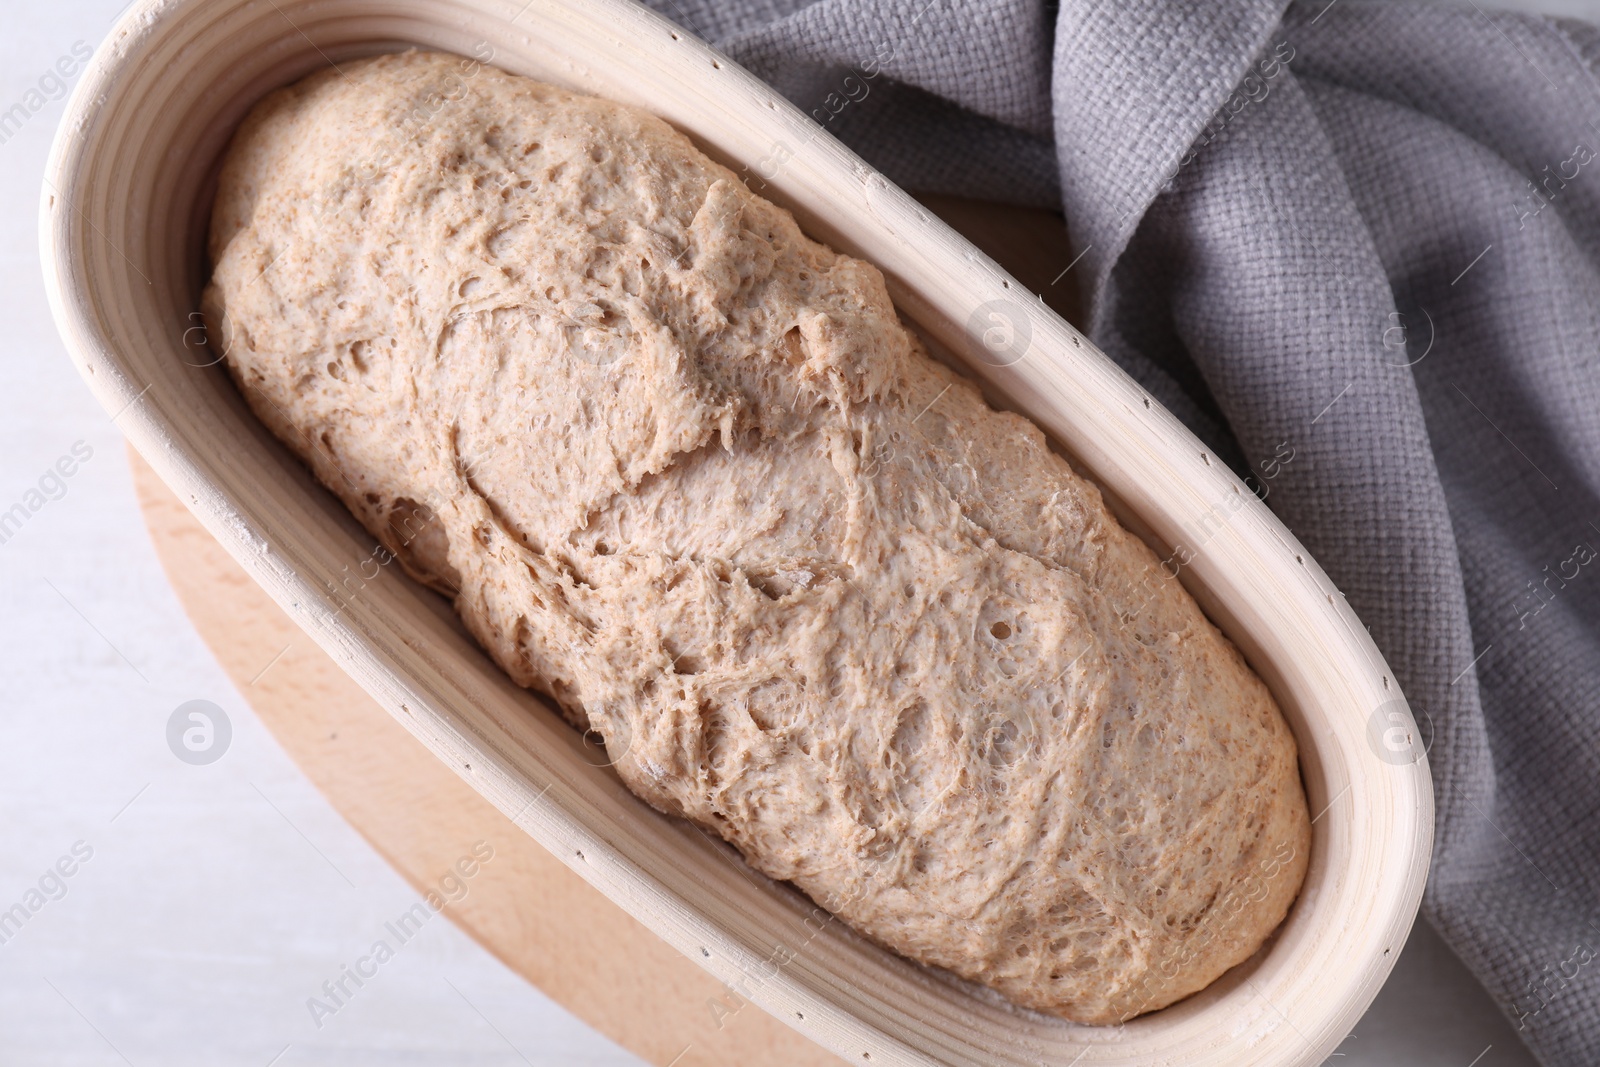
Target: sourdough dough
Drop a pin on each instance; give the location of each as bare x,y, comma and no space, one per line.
683,470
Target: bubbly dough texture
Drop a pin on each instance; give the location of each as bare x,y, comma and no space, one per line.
683,470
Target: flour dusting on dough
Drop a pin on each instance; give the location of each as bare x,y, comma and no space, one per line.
677,465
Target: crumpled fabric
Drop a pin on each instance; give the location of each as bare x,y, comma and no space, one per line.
1355,246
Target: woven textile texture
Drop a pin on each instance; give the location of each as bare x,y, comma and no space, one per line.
1356,247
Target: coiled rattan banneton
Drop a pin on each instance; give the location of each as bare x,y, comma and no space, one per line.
125,203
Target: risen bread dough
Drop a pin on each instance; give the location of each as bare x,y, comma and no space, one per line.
683,470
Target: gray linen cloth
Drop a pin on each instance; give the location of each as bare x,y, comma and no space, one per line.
1356,247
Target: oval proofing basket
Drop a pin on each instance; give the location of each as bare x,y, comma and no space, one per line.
124,213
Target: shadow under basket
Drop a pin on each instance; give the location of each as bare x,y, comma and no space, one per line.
124,211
